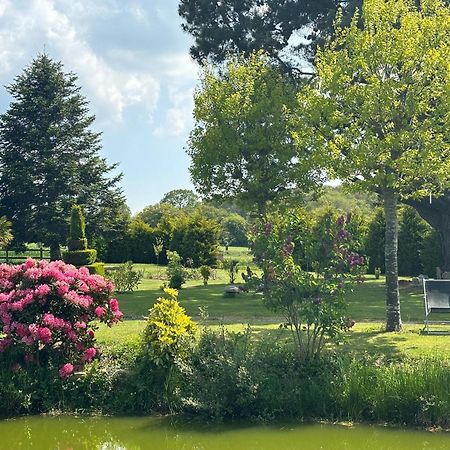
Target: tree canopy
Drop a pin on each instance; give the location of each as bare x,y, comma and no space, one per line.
49,157
180,198
378,109
241,146
287,30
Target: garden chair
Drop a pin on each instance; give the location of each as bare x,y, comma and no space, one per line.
437,300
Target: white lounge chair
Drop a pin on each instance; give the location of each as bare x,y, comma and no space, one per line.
437,300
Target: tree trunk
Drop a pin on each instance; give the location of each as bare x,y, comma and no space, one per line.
437,214
393,318
55,251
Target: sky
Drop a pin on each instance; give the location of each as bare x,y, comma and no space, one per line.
133,65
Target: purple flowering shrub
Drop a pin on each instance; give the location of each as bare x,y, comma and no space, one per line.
311,294
47,314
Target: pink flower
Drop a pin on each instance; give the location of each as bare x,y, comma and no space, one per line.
117,315
33,328
63,288
28,340
65,371
99,311
43,290
89,354
80,325
45,335
114,304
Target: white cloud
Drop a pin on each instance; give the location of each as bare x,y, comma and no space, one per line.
178,118
110,90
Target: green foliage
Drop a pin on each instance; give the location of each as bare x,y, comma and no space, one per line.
175,270
77,230
125,278
235,227
97,268
205,272
77,244
5,232
231,266
170,332
219,378
196,238
380,96
431,252
241,146
339,198
50,158
80,257
374,243
180,198
410,242
141,238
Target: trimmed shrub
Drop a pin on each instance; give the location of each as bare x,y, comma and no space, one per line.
97,268
80,257
78,254
77,244
77,224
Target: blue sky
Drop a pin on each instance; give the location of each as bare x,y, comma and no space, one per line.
133,64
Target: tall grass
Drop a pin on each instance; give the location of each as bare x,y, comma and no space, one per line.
413,391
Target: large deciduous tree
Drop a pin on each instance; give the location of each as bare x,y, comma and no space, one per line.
379,110
181,198
49,158
241,146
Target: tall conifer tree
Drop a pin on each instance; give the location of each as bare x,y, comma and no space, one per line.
49,157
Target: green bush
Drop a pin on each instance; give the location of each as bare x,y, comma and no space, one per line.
80,257
234,229
170,332
196,238
141,240
97,268
205,272
125,278
231,266
175,270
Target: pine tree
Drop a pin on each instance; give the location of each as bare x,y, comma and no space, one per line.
49,157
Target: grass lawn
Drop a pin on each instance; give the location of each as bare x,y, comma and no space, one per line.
366,306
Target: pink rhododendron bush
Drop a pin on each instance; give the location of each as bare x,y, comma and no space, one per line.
48,312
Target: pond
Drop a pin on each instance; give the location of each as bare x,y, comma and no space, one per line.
64,433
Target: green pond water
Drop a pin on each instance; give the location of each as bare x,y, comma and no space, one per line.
70,433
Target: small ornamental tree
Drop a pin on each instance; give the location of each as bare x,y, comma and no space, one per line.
78,254
47,314
312,302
